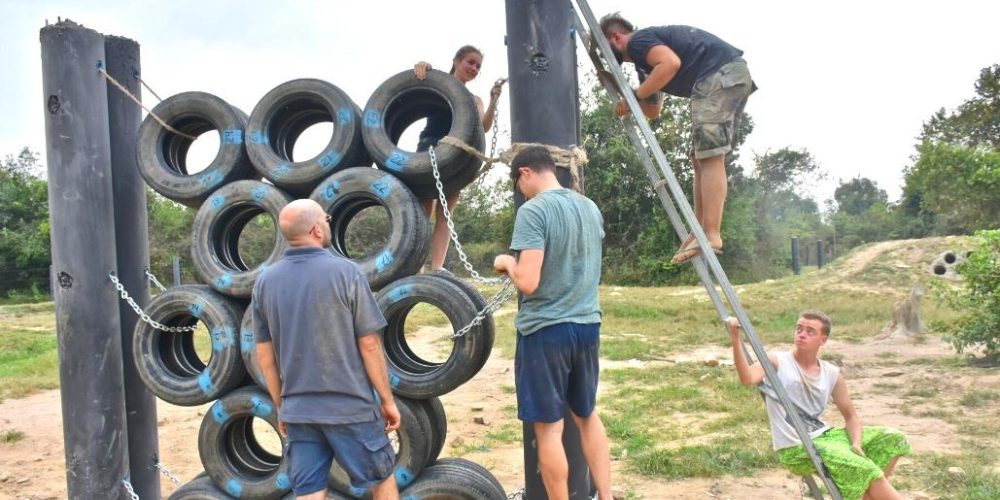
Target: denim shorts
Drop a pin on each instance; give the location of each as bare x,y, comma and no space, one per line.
362,450
717,103
554,367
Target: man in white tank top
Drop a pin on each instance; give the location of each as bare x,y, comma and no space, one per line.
859,459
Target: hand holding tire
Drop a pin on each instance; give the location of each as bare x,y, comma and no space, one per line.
420,69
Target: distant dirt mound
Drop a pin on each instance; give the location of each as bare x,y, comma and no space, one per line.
896,263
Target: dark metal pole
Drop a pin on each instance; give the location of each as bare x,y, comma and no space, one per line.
541,61
81,215
177,270
819,254
796,266
132,249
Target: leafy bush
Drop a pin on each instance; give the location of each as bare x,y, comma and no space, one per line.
978,298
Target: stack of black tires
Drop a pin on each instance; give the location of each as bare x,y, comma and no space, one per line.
254,174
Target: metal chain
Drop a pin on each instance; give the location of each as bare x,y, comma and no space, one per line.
166,472
495,303
142,315
517,495
149,274
451,223
493,142
128,488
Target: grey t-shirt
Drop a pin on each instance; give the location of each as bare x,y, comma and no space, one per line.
568,227
313,306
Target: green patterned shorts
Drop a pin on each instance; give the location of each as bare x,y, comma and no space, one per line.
717,103
851,472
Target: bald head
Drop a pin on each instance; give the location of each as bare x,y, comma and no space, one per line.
297,220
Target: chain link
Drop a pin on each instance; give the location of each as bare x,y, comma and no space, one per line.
152,278
166,472
494,304
517,495
128,489
451,223
142,315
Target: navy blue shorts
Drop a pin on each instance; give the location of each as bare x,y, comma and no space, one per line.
557,366
362,450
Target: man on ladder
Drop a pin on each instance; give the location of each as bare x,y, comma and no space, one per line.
858,459
689,62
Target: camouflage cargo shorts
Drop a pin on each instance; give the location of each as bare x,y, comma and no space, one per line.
717,103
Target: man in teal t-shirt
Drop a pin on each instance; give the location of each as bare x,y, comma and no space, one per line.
558,233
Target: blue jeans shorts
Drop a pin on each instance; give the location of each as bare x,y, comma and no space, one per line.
362,450
557,366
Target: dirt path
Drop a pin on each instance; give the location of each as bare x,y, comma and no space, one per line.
33,468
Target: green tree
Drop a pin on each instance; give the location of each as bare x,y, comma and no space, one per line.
858,195
959,185
24,224
978,299
169,236
951,186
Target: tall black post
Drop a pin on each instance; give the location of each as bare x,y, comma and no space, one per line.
796,266
819,254
81,215
177,270
544,102
132,249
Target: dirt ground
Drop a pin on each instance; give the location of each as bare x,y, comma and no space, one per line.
33,468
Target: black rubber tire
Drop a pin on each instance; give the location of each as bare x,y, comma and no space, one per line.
199,488
438,421
411,455
168,363
489,327
161,155
230,452
248,349
346,193
453,482
468,467
402,100
330,495
288,110
410,375
216,230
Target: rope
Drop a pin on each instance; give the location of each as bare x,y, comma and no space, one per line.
147,87
104,72
570,159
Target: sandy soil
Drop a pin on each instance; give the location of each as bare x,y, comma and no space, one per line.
33,468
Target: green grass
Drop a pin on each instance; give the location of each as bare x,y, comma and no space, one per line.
11,436
28,363
505,433
929,473
686,420
979,399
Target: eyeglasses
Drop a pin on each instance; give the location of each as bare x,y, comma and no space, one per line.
515,176
329,218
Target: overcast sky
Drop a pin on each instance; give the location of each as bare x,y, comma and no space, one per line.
851,81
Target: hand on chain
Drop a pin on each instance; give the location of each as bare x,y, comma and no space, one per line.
420,69
497,89
502,263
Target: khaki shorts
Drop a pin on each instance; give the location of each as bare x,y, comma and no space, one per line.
717,103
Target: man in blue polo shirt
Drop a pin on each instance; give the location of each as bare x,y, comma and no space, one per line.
688,62
316,324
558,233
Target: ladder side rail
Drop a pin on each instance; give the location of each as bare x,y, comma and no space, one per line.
699,233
